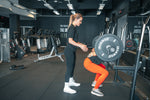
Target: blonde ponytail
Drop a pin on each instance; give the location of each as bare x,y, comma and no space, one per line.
70,20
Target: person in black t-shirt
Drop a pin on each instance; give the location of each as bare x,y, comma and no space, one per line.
70,52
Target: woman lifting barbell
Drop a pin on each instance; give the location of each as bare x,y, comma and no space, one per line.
70,52
93,64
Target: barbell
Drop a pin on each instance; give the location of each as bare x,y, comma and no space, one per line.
108,47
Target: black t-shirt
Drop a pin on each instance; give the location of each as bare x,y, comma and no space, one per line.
96,60
72,33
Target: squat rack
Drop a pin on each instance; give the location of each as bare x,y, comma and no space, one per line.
132,91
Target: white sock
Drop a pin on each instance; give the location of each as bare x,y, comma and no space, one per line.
67,88
71,79
72,82
94,83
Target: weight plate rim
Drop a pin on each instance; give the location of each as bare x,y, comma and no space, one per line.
94,39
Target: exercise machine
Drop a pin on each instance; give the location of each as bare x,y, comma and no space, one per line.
53,50
4,45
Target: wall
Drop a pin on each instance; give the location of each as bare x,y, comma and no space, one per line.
14,24
27,23
90,27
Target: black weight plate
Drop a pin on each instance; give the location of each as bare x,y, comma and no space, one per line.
94,40
108,47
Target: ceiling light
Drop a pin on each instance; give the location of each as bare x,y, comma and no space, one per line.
19,6
73,12
32,12
101,6
30,15
10,9
70,6
1,6
48,6
55,1
98,12
56,12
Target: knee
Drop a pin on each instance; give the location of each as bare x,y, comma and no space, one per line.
106,73
85,62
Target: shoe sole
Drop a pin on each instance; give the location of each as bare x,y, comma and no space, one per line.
72,84
99,86
69,92
75,85
96,94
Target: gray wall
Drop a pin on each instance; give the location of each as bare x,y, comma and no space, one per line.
90,27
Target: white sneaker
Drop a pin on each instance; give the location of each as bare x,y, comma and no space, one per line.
94,83
73,83
67,89
97,92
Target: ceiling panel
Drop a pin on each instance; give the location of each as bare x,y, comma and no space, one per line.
62,4
86,7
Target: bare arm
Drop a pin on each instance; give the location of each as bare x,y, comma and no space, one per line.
77,44
71,41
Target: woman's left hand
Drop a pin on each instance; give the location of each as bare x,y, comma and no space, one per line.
92,54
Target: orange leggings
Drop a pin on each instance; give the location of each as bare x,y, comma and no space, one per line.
101,72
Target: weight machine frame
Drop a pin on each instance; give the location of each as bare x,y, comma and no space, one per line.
50,55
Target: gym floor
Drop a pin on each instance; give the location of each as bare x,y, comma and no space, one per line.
44,80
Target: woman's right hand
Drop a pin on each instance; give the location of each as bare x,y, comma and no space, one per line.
84,48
